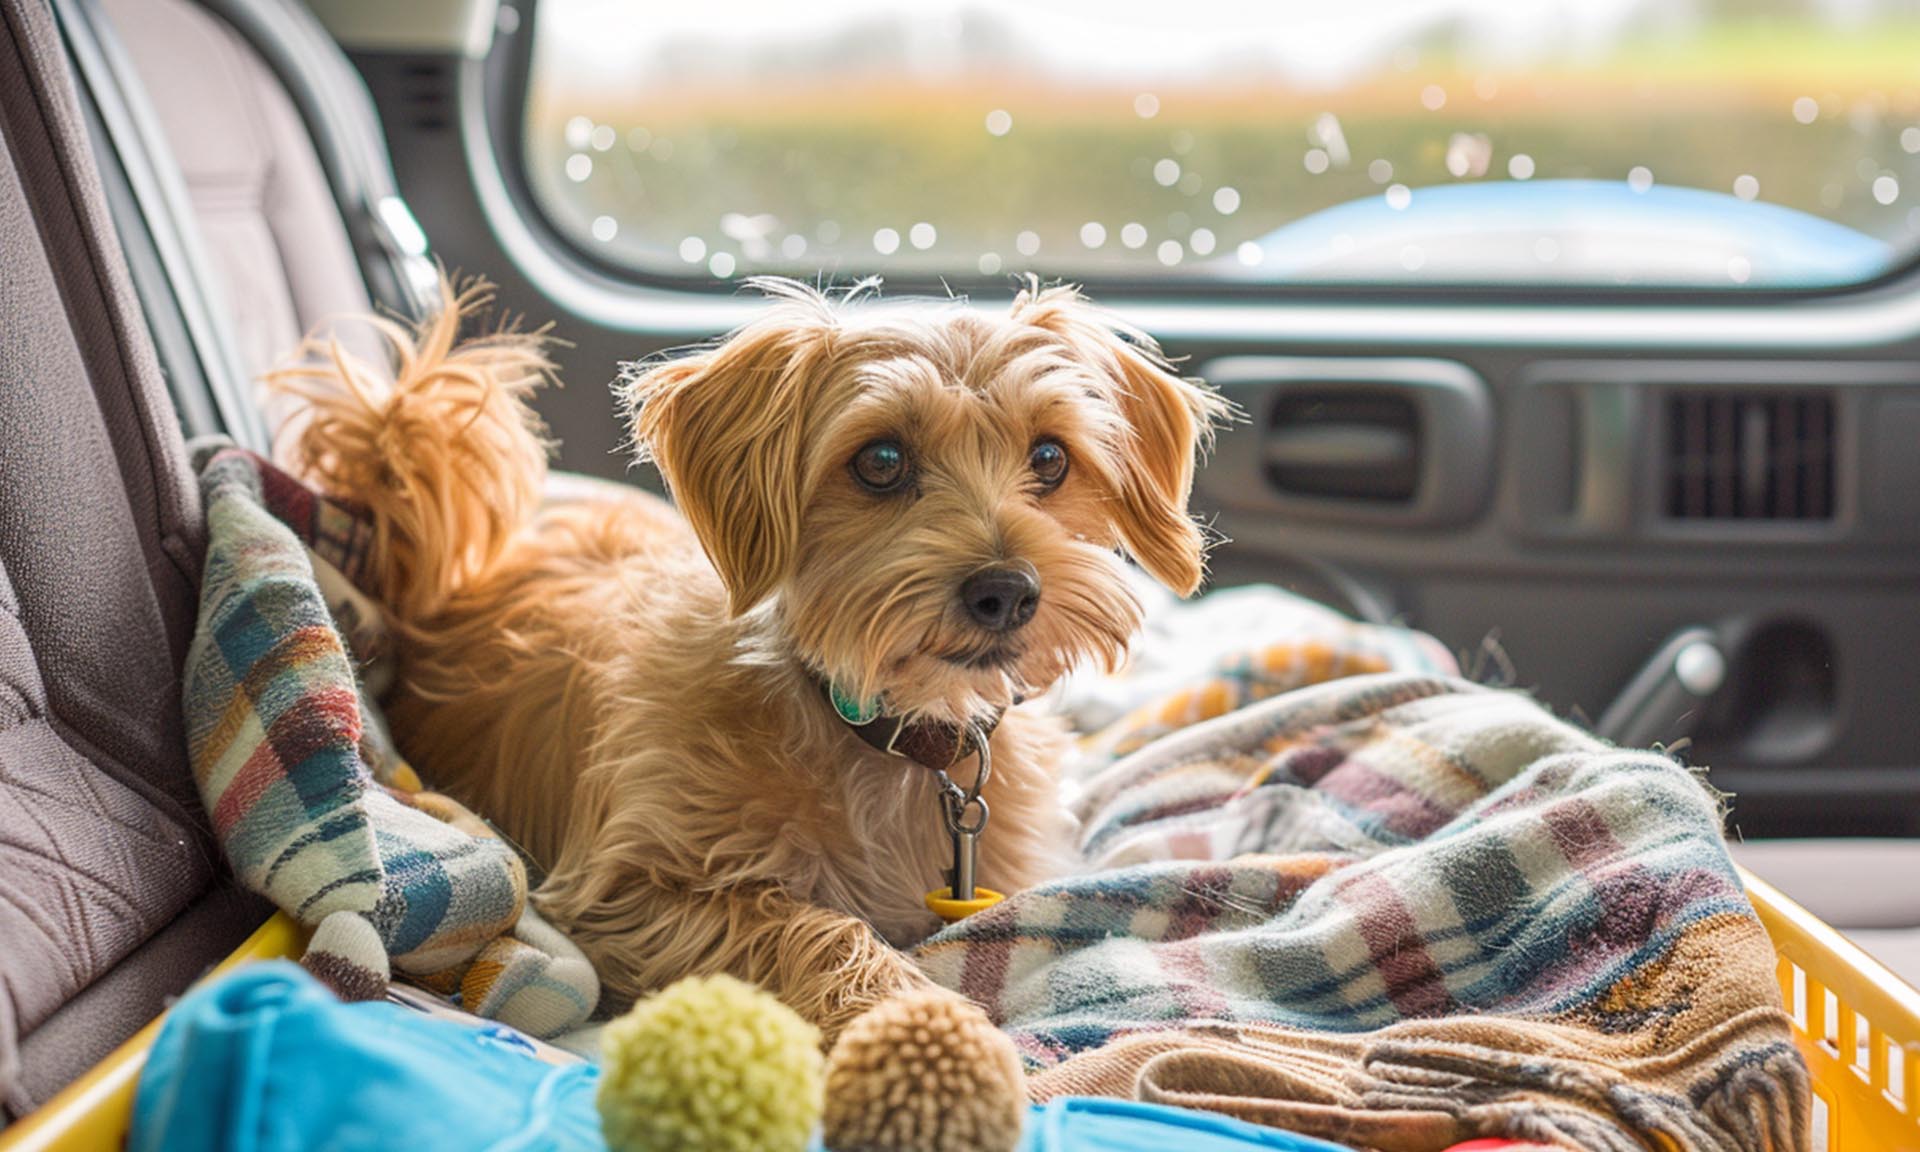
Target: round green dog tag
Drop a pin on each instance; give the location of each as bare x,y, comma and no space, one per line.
851,710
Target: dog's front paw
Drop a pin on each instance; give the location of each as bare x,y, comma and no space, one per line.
924,1072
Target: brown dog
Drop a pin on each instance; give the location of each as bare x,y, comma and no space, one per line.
916,506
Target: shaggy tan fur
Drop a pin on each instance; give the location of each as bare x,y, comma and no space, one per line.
633,693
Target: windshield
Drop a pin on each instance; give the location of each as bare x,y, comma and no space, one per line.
1715,143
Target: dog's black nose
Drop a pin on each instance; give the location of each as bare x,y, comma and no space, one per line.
1001,599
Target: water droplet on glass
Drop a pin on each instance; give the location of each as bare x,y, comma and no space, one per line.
886,241
693,249
1868,168
1640,179
1910,140
1520,167
1486,87
1739,269
999,122
605,228
828,232
748,229
989,263
579,132
579,167
1168,252
1806,109
1468,155
922,235
1746,187
721,265
1250,253
603,138
1380,171
1433,97
638,139
507,20
1886,189
1093,234
1398,197
1027,242
1226,201
1133,235
1202,241
1182,142
1146,105
1316,160
1166,173
794,246
1329,135
1546,249
1412,258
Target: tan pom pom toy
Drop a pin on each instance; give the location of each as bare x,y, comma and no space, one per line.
927,1072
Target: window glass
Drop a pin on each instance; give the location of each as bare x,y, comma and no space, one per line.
1720,143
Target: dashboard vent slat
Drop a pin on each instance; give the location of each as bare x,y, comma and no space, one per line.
1749,456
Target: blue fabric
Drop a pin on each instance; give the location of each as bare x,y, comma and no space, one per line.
1087,1124
267,1060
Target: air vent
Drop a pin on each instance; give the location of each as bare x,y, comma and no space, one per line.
426,94
1345,444
1753,456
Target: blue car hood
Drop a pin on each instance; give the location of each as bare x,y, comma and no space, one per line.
1567,232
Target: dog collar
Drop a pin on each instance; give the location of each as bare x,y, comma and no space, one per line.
937,747
930,743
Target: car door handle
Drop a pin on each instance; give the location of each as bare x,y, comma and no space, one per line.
1345,446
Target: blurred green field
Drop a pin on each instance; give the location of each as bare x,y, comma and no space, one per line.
819,165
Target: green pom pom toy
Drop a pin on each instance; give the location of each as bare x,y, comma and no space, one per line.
710,1064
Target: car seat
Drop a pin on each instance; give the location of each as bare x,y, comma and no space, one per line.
112,897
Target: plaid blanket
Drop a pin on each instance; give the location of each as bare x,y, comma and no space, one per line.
1397,910
312,806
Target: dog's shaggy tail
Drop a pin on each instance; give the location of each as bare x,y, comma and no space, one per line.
445,453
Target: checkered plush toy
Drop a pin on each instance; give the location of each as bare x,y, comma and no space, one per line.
387,877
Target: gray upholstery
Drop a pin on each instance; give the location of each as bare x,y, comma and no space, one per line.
102,840
265,212
137,989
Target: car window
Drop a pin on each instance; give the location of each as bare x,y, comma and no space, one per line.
1716,143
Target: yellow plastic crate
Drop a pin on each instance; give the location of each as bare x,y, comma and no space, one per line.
1857,1023
1858,1026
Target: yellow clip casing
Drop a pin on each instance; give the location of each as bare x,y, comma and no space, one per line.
950,910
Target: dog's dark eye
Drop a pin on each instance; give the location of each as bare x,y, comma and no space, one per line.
1048,459
881,466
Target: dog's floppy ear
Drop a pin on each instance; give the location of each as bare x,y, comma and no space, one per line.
727,428
1169,420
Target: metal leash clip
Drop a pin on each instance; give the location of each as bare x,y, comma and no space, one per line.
966,814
